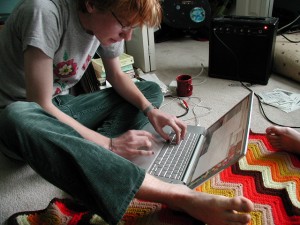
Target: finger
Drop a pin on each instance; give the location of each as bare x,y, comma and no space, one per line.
183,128
143,133
163,134
178,131
144,144
143,152
136,138
135,152
139,143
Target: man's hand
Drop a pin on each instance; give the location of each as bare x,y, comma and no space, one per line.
132,143
160,119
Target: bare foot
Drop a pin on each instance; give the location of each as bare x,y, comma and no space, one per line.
211,209
216,209
284,138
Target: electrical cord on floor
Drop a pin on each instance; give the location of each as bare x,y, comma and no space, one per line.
248,85
262,109
196,78
289,25
290,31
290,39
182,102
194,106
189,105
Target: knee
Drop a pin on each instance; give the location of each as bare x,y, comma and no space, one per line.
152,91
157,94
17,113
155,88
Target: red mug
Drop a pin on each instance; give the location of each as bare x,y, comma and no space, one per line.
184,85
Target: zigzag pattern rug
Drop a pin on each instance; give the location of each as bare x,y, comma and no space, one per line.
271,179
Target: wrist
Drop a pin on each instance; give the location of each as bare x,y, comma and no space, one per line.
148,109
110,146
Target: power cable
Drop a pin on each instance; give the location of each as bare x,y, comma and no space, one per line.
247,86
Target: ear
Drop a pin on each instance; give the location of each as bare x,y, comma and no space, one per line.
90,6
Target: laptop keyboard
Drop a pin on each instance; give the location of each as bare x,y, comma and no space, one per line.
173,159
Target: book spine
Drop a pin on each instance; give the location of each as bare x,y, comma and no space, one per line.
126,61
131,73
127,68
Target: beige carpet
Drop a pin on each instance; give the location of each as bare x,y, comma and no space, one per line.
185,56
21,189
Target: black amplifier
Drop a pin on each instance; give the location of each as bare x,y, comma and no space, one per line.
242,47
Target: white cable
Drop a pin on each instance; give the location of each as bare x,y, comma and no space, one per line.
195,117
198,77
193,106
288,24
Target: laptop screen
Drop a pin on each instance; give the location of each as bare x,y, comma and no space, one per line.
226,142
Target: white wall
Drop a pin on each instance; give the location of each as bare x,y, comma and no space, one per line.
261,8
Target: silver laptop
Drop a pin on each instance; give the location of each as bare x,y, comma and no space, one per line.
204,152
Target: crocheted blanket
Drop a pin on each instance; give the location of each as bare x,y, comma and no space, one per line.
268,177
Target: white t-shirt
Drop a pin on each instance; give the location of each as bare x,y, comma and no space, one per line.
54,27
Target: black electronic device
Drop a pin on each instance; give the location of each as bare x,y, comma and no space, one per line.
242,47
186,14
184,17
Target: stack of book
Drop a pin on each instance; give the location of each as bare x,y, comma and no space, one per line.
126,62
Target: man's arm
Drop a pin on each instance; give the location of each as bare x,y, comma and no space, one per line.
39,86
38,69
128,90
123,84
